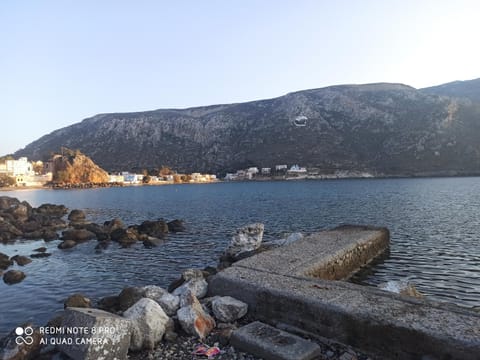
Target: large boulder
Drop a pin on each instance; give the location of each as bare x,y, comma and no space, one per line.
194,320
13,277
169,302
6,202
51,210
129,296
149,323
198,287
113,225
78,235
100,232
112,342
28,349
8,230
156,228
77,301
21,211
187,275
246,239
228,309
76,216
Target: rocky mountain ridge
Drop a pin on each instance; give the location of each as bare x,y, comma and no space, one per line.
385,129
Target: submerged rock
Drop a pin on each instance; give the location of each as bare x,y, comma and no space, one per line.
21,260
67,244
13,277
5,261
156,229
176,225
78,235
401,287
40,255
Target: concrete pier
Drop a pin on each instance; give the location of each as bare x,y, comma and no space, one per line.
293,285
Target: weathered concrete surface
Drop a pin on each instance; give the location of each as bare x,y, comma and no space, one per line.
270,343
108,335
332,255
277,289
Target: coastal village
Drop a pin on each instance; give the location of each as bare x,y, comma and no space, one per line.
72,168
59,172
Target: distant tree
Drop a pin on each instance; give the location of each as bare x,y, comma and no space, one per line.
38,167
177,179
6,180
146,179
3,159
165,170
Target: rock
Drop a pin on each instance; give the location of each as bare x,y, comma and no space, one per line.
21,260
76,216
6,202
113,224
151,242
156,228
51,210
188,274
13,277
197,287
27,349
31,225
149,323
77,301
100,232
247,238
67,244
130,236
5,261
129,296
20,212
401,287
102,245
33,235
41,249
194,320
228,309
49,234
111,344
109,303
176,226
40,255
9,230
78,235
169,302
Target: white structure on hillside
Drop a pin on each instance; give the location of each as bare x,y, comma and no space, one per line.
281,167
295,169
266,171
19,167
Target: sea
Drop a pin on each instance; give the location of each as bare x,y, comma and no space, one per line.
434,225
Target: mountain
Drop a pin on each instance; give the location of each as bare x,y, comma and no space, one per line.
386,129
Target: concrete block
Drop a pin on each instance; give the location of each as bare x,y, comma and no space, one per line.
267,342
92,334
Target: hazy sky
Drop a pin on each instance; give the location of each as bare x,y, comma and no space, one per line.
62,61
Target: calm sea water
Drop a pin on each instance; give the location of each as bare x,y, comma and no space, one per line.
434,224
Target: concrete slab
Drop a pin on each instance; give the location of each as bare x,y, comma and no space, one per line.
267,342
278,289
332,255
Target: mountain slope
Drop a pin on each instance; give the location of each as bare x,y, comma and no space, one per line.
390,129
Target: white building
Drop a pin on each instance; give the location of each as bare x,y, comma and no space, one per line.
266,171
281,167
19,167
295,169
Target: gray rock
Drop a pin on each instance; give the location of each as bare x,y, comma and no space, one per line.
247,238
129,296
112,343
194,320
228,309
197,287
5,261
169,302
149,323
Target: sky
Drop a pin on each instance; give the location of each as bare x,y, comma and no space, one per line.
63,61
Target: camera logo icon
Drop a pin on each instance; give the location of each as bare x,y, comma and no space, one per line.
24,335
